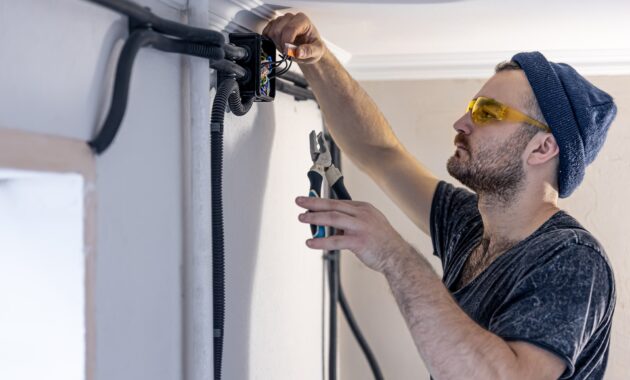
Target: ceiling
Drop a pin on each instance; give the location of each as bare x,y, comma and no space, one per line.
465,38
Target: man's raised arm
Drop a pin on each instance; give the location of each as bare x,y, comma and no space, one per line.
355,122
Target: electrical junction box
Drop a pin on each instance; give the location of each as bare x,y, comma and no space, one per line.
259,65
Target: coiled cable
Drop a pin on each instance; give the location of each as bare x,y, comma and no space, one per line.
227,94
137,40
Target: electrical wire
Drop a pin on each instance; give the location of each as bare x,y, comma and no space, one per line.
143,16
283,71
147,29
339,191
274,65
332,260
227,95
283,59
137,40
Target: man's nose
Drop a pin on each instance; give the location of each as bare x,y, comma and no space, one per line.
464,124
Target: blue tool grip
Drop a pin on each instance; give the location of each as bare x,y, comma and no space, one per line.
315,191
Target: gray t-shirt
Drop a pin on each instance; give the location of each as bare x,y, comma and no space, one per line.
555,289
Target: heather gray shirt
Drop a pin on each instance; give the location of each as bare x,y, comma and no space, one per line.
555,289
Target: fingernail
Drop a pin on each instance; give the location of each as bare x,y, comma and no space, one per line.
299,200
300,53
309,242
301,217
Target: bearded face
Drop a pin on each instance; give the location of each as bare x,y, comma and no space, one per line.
492,168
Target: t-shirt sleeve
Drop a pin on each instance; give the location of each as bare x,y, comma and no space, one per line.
452,210
559,305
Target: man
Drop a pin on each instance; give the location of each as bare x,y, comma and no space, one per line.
527,293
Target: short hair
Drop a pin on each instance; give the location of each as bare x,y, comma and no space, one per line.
533,109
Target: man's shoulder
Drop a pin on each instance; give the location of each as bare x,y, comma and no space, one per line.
563,243
566,233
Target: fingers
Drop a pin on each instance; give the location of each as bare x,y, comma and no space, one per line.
308,51
298,30
334,219
332,243
276,28
296,26
322,204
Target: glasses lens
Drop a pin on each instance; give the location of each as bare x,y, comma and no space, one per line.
486,111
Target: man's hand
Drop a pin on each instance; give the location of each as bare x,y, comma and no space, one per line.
366,231
297,30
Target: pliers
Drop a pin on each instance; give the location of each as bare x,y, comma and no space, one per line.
323,167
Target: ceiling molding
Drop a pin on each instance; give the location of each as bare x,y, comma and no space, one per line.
239,15
478,64
258,8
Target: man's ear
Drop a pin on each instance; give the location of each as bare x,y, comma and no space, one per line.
543,149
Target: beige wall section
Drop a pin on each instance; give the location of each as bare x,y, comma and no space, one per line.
422,114
44,153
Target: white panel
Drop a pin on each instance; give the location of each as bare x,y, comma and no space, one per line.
42,288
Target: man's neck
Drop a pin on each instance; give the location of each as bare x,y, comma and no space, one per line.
509,222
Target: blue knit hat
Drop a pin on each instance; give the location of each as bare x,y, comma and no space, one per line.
577,112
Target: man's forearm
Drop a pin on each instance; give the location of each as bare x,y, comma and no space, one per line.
354,120
450,343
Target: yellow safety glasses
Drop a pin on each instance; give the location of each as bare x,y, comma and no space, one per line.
486,110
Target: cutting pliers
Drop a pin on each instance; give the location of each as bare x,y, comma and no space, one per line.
323,167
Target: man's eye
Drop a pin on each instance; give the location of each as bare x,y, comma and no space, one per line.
488,115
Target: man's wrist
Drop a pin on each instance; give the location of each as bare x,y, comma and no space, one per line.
396,258
404,258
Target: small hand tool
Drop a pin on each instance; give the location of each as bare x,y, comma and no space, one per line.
323,167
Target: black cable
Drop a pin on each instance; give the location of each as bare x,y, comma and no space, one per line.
230,67
144,16
149,31
218,248
340,192
367,352
227,94
234,52
283,71
332,259
137,40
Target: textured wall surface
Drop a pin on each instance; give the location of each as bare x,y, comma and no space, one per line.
422,114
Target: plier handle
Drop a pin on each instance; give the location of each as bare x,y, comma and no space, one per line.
323,167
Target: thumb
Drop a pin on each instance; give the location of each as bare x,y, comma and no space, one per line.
310,52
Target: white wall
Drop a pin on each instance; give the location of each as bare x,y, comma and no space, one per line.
422,114
56,65
57,61
274,282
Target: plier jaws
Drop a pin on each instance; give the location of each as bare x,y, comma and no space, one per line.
323,168
320,153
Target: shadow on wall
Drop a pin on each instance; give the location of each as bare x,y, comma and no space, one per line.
246,169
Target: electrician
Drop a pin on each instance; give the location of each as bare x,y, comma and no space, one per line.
527,292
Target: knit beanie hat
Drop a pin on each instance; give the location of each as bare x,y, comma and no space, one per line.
577,112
